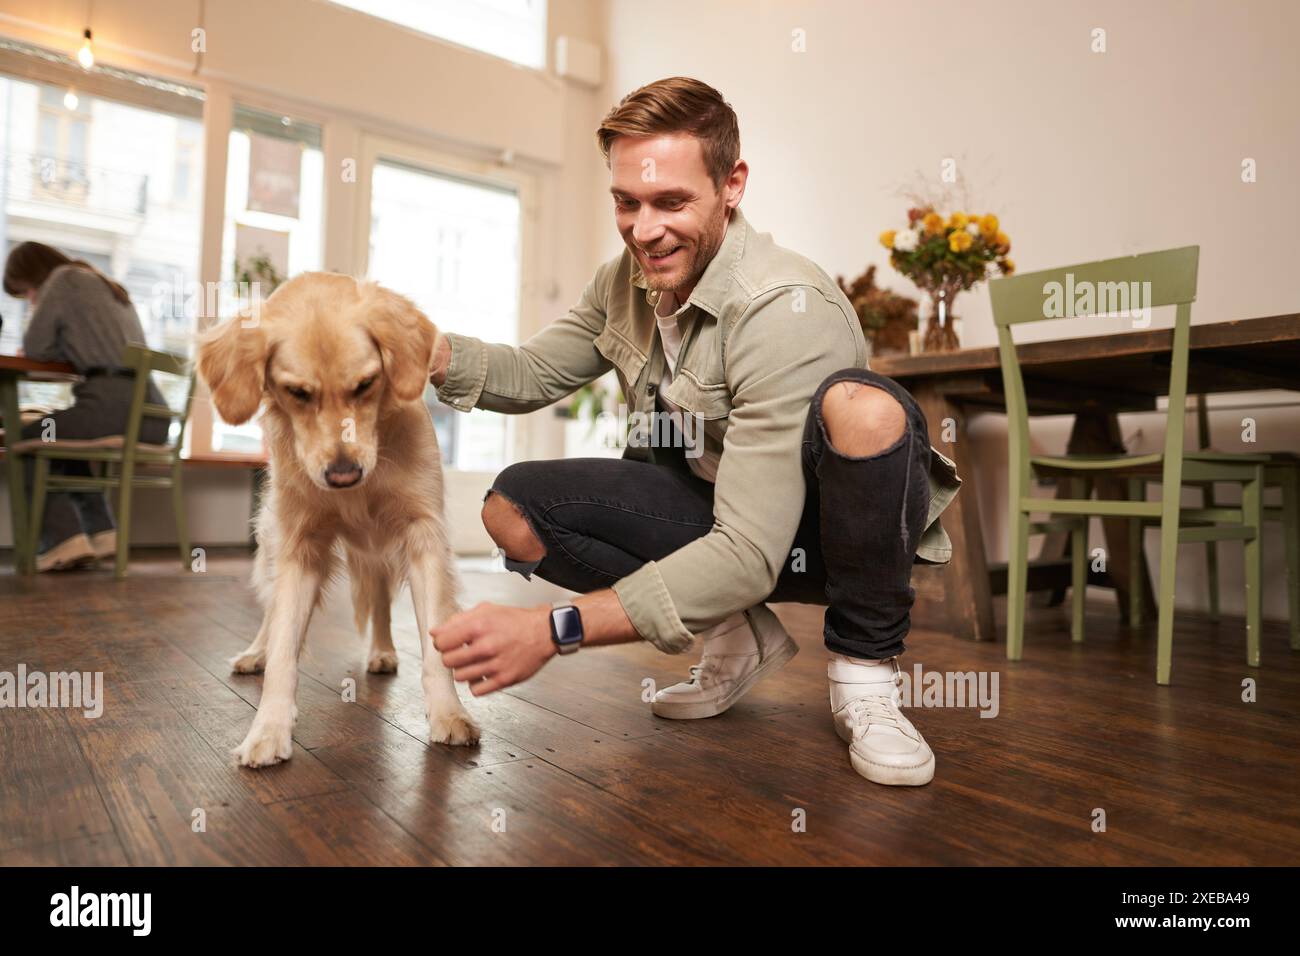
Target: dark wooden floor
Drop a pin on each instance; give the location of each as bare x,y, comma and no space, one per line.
580,772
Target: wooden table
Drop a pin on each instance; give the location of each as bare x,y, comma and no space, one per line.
1093,379
14,368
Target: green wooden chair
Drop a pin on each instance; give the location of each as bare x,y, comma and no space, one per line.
1282,471
1171,275
121,456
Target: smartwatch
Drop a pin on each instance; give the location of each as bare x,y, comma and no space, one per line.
566,626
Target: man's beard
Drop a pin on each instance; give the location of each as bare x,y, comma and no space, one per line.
708,246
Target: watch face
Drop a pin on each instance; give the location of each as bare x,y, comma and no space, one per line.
566,625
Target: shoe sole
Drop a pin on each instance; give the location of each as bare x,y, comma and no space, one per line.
888,774
892,776
68,564
711,708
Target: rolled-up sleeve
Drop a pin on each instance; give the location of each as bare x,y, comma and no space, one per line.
774,360
553,363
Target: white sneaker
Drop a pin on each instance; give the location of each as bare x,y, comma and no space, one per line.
104,543
740,651
68,553
883,745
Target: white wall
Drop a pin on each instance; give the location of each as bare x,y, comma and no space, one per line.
1083,155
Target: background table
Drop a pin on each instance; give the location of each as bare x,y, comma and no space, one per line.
14,368
1093,379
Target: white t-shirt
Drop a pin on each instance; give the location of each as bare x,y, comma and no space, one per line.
703,465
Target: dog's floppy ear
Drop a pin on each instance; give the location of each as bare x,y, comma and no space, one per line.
232,360
405,338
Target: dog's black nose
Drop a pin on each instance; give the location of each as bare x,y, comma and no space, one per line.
342,473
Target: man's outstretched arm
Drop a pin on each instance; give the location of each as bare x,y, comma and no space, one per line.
470,373
492,646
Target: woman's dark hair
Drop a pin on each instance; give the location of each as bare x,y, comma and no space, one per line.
30,264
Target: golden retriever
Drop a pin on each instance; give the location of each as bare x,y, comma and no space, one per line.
340,367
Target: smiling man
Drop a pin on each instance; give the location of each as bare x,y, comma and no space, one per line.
812,478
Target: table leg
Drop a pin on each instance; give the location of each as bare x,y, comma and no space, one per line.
955,597
14,466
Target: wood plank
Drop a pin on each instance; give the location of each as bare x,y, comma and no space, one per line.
1262,332
47,792
154,772
524,811
345,829
1188,774
100,850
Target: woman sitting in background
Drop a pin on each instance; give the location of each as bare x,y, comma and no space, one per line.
82,317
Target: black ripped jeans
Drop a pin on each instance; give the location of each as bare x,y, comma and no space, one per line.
602,518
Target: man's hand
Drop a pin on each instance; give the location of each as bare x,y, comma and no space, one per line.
492,646
441,360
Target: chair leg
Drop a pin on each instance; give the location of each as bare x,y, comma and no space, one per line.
1211,559
1289,479
178,506
1252,513
1017,584
1078,564
1168,577
124,520
36,516
1137,491
1078,579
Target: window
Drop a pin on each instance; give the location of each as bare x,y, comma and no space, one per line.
512,29
62,137
452,246
94,177
274,203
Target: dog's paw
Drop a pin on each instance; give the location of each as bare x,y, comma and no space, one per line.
455,727
382,662
248,663
265,745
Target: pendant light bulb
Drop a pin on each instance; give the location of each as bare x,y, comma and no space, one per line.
86,56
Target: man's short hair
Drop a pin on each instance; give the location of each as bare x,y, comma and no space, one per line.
678,104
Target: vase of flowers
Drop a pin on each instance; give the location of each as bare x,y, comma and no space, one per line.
945,256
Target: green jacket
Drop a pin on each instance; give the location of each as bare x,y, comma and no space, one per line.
768,326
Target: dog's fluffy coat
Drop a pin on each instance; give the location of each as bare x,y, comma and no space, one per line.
340,368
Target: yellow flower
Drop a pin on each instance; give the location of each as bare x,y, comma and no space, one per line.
989,224
933,222
887,238
960,241
1008,267
1002,242
958,220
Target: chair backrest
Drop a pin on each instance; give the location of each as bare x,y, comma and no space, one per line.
1129,284
146,361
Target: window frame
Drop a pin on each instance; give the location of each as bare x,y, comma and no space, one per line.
218,123
376,148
